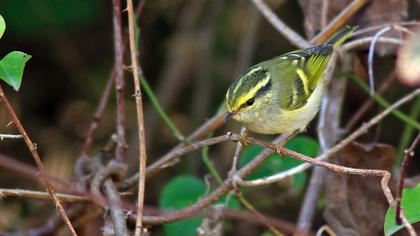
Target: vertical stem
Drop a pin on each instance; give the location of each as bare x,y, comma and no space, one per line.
117,214
98,114
34,151
140,118
119,81
408,156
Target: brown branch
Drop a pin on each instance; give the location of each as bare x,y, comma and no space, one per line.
119,81
408,156
28,171
98,114
68,198
169,158
51,227
280,26
256,213
339,21
324,13
117,214
64,197
140,118
284,226
34,151
368,103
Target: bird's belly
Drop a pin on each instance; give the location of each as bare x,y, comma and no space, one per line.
285,121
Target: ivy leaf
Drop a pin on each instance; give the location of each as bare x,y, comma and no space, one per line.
11,68
2,26
411,205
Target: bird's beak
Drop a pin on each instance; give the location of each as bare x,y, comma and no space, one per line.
229,116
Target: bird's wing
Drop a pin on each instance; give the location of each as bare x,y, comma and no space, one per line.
305,68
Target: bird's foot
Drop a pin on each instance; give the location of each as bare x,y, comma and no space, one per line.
244,137
279,147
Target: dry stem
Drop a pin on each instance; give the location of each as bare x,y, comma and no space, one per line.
140,117
34,151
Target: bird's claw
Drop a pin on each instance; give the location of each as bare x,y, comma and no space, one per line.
244,137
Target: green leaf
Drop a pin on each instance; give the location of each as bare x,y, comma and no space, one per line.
274,164
2,26
178,193
11,68
182,192
411,205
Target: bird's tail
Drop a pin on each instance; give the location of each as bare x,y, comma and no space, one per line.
338,38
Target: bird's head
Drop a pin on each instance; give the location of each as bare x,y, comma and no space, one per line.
249,95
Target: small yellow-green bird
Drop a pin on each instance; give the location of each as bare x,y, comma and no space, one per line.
283,94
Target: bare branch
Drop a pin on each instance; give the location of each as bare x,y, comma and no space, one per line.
408,156
339,21
287,32
140,117
34,151
119,80
10,136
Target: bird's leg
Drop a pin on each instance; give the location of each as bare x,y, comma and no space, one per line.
244,137
284,138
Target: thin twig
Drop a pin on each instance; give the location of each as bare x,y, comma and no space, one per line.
407,133
358,132
170,158
10,136
51,227
117,214
377,27
64,197
28,171
140,118
324,13
287,32
98,114
382,102
41,195
366,40
339,21
408,156
119,81
370,57
256,213
368,103
34,151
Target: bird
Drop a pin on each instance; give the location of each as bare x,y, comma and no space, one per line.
283,94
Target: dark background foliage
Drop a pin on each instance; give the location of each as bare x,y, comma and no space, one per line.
190,51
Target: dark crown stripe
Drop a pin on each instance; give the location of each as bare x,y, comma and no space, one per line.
264,89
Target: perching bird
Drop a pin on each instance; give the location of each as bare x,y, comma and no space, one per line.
283,94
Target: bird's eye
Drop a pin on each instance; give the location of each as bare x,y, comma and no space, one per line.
250,102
